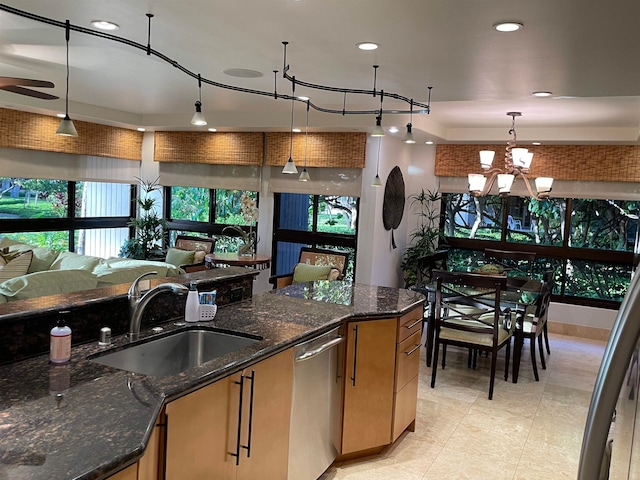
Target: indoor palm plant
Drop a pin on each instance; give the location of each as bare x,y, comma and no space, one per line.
426,237
149,225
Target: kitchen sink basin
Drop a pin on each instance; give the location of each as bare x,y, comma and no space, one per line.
175,353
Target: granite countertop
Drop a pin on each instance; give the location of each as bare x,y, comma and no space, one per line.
86,421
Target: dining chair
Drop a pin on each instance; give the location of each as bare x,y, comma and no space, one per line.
424,284
468,315
534,325
520,261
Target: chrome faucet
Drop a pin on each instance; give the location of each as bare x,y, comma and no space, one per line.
138,302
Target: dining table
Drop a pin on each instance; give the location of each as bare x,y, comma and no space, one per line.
521,292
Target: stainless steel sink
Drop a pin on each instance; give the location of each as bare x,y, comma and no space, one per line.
174,353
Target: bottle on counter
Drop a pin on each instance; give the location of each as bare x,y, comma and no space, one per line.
192,309
60,340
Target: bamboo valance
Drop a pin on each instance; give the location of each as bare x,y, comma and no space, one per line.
33,131
222,148
326,149
604,163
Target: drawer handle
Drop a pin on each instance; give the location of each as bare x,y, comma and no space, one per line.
409,327
417,347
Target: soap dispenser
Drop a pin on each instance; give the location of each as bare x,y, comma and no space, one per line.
192,310
60,340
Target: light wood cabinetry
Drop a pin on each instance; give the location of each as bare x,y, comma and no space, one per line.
235,428
129,473
381,380
150,465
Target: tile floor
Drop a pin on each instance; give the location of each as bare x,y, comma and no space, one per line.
460,434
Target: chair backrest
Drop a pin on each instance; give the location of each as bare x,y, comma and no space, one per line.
203,244
512,259
428,263
469,302
316,256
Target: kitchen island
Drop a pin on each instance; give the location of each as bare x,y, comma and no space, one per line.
88,421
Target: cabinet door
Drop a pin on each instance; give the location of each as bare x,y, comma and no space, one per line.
202,432
266,418
129,473
368,395
149,465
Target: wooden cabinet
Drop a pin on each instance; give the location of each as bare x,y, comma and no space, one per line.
236,428
129,473
381,380
368,391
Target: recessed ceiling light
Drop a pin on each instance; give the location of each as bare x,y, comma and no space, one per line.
303,98
242,73
429,142
60,115
212,129
296,130
141,129
542,94
393,129
536,143
508,26
367,46
105,25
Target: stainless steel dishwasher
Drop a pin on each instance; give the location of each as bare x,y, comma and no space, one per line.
315,411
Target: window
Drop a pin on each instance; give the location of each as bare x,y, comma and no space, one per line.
319,221
37,212
206,212
588,242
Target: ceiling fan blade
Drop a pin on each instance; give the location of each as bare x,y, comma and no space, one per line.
25,82
28,92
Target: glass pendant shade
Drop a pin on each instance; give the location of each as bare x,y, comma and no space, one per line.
378,131
526,160
476,182
198,117
376,181
67,128
505,180
517,156
290,167
304,176
408,137
543,184
486,158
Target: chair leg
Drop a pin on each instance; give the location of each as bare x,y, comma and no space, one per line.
506,360
541,349
494,354
534,363
546,338
429,342
444,354
434,364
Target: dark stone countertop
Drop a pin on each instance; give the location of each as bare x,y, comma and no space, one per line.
86,421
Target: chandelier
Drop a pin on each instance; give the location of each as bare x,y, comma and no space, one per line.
517,161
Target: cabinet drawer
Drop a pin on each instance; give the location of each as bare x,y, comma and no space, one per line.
409,323
407,360
405,404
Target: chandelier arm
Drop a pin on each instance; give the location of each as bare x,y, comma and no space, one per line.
488,184
528,184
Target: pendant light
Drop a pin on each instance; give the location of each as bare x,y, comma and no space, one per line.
378,130
408,138
304,176
290,166
66,127
376,181
198,117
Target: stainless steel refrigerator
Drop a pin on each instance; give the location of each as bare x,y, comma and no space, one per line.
610,445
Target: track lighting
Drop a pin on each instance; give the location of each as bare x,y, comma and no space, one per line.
304,176
290,166
198,117
378,130
376,181
408,137
66,127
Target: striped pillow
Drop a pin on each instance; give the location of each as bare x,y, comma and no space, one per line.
15,267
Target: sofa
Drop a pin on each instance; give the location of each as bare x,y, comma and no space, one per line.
29,272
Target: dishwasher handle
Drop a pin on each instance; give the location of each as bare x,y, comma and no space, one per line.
317,351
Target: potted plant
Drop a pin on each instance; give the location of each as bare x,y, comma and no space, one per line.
149,226
426,238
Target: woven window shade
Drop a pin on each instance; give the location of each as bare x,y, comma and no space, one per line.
33,131
221,148
328,149
603,163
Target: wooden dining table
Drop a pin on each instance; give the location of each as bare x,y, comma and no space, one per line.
521,292
257,261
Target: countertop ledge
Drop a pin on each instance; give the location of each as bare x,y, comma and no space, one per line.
83,420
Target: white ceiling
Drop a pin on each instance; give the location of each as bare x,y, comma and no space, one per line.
584,51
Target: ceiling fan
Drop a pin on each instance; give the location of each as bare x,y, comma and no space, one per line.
17,85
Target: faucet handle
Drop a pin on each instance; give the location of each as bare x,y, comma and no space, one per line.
134,291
